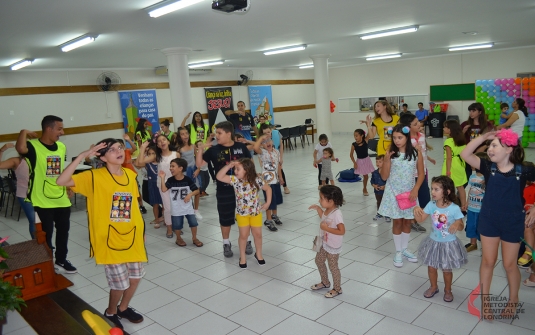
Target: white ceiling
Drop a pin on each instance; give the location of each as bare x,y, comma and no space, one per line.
129,38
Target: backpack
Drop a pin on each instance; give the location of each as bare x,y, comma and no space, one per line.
348,176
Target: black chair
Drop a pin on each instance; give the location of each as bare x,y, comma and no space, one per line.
303,132
11,193
295,133
372,145
285,136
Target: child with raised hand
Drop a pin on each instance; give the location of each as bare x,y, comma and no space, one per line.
318,154
332,230
182,188
454,166
378,185
271,172
476,192
116,227
418,141
502,218
247,185
326,174
363,164
442,249
399,167
154,196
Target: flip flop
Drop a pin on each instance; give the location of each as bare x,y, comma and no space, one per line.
528,283
429,293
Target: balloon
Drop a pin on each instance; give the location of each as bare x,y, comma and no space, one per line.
525,144
526,128
479,82
525,81
518,81
479,88
511,81
525,93
490,117
532,93
532,81
498,82
532,104
517,87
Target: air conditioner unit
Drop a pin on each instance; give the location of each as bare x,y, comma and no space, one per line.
162,71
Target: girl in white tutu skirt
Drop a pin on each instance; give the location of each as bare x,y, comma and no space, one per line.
442,249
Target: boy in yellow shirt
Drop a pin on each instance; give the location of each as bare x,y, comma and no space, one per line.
116,227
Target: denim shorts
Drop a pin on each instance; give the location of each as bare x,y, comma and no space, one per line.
178,221
471,225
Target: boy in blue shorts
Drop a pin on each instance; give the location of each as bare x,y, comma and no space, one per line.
182,189
378,185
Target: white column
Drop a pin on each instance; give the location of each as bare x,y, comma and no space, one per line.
179,85
321,85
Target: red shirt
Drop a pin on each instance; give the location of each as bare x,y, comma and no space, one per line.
128,160
529,195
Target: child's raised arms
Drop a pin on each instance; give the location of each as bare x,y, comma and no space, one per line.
65,179
222,174
468,153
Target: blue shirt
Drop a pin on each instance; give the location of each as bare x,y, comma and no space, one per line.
377,180
421,114
442,219
502,120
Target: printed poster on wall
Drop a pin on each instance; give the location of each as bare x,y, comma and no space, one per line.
218,101
137,105
261,102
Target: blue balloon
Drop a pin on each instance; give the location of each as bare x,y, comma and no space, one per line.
498,98
532,128
479,82
485,82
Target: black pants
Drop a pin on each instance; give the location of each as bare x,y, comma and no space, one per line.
319,175
284,177
205,180
378,198
60,216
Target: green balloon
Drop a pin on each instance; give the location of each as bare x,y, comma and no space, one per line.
525,144
526,128
485,94
491,117
479,88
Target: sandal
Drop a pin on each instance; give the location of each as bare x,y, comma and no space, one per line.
180,242
169,235
528,283
523,262
365,194
333,293
430,293
319,286
197,242
156,225
448,296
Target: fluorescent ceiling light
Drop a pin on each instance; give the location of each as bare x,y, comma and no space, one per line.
285,49
306,66
383,56
166,7
20,64
473,46
214,62
77,42
389,32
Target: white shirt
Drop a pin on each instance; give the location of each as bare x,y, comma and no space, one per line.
518,125
319,148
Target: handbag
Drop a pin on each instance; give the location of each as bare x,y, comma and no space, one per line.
403,199
317,243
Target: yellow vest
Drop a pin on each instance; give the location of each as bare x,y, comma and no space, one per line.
42,189
116,227
385,139
193,133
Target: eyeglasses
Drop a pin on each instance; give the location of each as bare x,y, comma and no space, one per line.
116,150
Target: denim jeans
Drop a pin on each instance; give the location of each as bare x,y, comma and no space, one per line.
27,207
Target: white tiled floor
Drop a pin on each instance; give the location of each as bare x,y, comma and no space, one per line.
197,290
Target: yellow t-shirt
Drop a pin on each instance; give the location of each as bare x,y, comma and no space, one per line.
385,139
116,227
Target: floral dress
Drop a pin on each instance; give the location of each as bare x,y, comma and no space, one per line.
400,181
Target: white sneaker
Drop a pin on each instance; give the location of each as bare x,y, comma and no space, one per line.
198,215
409,255
398,260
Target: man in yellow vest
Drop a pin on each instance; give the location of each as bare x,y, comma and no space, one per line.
45,157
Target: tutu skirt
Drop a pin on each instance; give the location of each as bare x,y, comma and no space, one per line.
364,166
442,255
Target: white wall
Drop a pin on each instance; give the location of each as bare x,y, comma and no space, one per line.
410,77
82,109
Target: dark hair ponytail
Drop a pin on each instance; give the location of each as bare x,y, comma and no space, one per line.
522,106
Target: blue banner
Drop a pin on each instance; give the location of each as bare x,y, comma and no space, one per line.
261,103
137,105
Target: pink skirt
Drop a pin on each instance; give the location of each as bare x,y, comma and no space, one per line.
364,166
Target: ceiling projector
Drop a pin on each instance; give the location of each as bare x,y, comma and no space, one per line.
229,6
